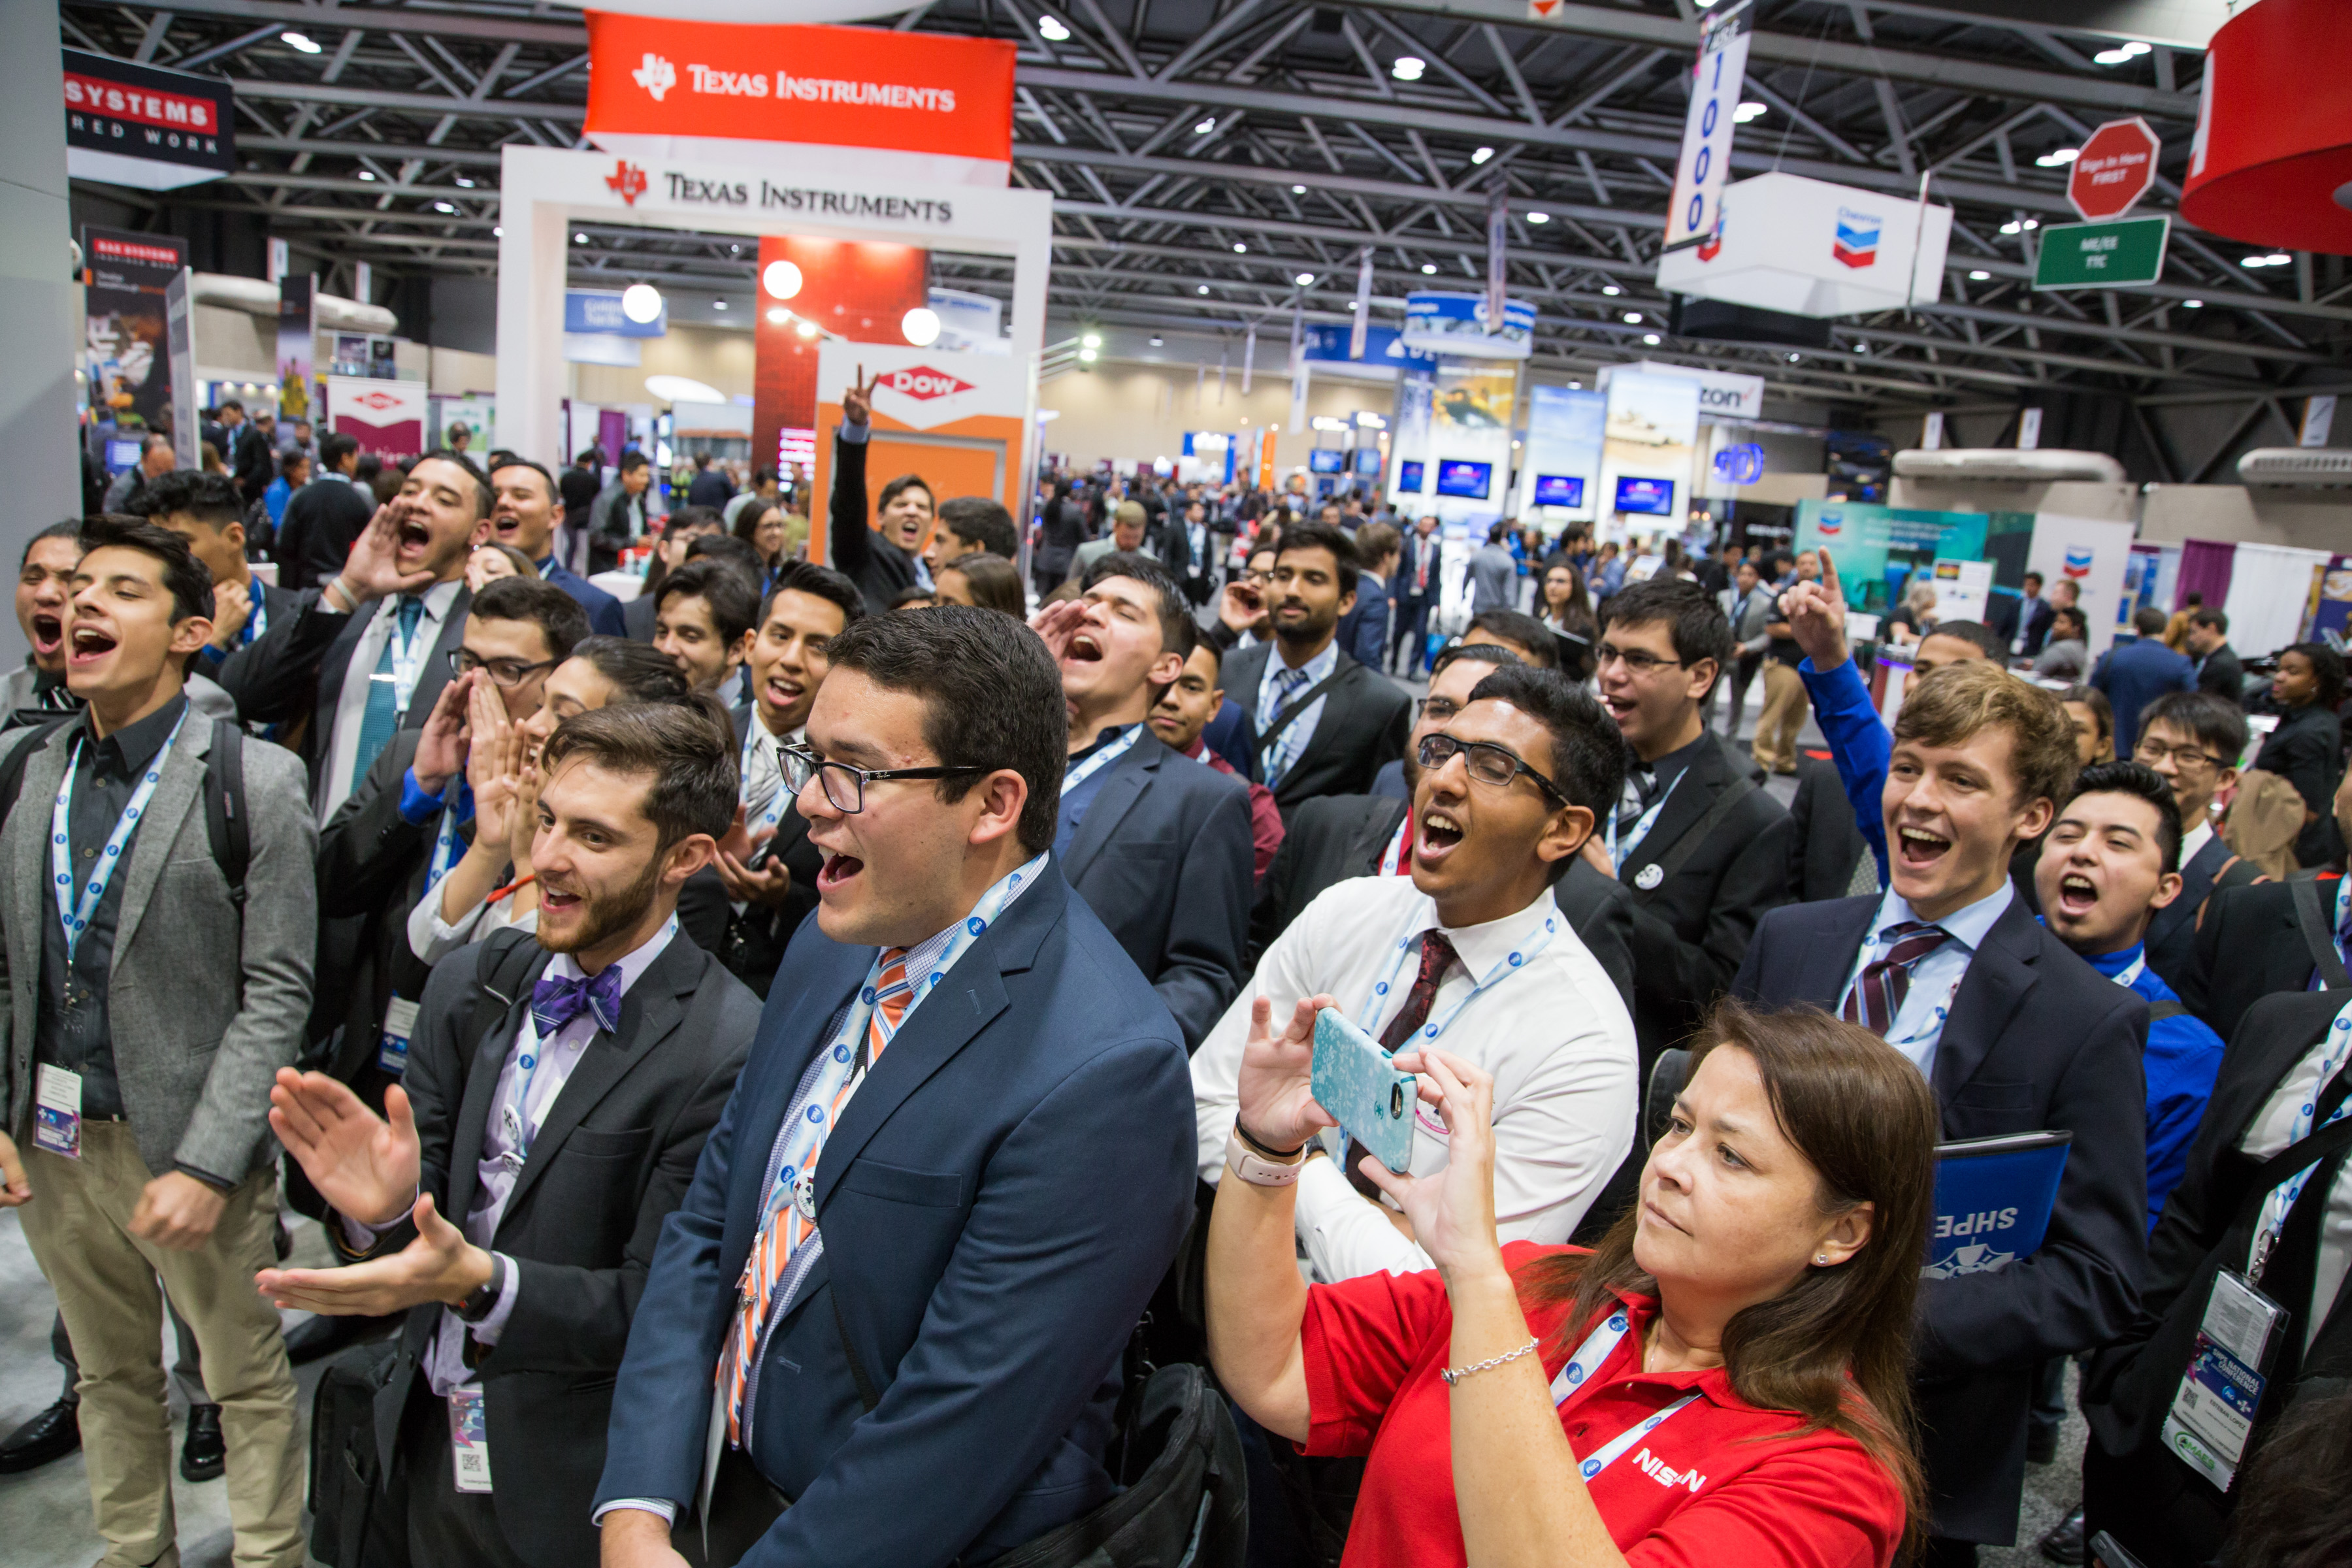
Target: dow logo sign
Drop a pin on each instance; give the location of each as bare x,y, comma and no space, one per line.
382,401
923,383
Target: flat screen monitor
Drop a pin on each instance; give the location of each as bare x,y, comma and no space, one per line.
1654,496
1327,460
121,454
1469,482
1409,478
1368,462
1559,490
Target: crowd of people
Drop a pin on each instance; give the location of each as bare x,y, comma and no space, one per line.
800,1066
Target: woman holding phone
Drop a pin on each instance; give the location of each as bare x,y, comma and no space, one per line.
1725,1378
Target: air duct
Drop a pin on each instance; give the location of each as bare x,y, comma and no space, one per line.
2315,468
331,313
2008,464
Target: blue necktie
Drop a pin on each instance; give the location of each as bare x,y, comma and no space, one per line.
555,1002
1288,683
383,715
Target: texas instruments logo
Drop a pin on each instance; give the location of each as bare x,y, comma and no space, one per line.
923,383
656,75
626,181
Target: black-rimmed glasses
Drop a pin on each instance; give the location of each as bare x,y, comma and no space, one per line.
2154,752
1639,661
1489,763
845,786
506,673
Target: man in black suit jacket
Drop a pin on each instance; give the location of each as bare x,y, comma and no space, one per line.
558,1097
2220,670
887,563
1157,844
2193,741
1700,845
2265,938
1325,723
1416,587
2034,616
525,515
804,611
2286,1055
2016,1034
398,610
323,519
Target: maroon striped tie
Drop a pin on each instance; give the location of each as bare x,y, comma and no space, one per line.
1878,996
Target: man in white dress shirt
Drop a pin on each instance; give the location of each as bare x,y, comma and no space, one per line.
1474,948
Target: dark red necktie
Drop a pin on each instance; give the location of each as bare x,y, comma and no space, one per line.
1436,957
1877,996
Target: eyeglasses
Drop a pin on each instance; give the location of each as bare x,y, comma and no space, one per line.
2153,754
1638,660
506,673
1489,763
1438,709
845,786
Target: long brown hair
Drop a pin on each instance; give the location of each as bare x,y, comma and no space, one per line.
1835,1347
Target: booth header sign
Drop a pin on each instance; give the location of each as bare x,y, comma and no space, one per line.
2102,255
135,125
916,92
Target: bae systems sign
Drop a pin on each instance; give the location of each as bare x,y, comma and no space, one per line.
135,125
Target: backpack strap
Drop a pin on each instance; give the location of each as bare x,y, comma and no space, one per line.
2158,1011
227,828
1694,837
12,771
2317,933
1288,716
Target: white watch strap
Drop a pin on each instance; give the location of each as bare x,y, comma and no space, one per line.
1255,1168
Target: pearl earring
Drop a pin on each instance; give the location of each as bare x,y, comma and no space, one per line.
1822,1259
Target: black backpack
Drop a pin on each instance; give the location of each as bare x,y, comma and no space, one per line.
225,827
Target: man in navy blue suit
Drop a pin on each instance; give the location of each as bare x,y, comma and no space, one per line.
2137,672
957,1163
2016,1033
526,510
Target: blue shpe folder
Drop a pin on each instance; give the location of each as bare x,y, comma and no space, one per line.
1993,1197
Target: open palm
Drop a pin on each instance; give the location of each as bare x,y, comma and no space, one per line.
365,1164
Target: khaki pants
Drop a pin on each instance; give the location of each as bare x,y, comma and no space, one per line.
79,1226
1783,718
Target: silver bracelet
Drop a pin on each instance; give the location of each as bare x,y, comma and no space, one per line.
1454,1375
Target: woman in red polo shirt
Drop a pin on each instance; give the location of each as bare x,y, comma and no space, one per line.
1724,1380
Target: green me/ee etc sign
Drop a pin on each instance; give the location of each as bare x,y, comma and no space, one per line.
2115,254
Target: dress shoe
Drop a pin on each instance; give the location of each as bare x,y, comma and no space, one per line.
204,1453
2062,1541
2040,1444
324,1336
52,1435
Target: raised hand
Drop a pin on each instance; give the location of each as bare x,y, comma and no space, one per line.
1239,606
857,402
1276,1095
365,1164
523,827
441,746
1058,623
1453,1212
372,571
1816,616
493,769
440,1264
232,607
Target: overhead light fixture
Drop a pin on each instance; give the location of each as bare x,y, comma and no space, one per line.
1979,276
1632,317
301,41
782,280
1408,67
1429,269
2136,48
1051,29
443,207
1091,340
2011,227
778,315
1305,279
1794,358
498,231
367,173
1860,347
1539,217
1204,288
921,326
2031,225
464,184
641,302
1156,340
1087,355
719,304
1751,109
2058,159
806,328
1240,249
1481,155
579,239
1204,127
2192,304
1651,338
1610,290
1299,190
2114,57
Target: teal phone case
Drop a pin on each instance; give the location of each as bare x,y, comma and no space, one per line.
1370,1099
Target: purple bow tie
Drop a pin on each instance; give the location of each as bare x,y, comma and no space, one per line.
555,1002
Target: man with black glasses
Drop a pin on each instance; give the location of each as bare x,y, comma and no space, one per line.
1473,950
2193,741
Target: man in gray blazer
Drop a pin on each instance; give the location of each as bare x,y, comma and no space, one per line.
1749,605
152,1003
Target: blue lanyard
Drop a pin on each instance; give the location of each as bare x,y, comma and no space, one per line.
257,622
445,848
1587,1361
2282,1198
1641,825
1072,778
76,914
1536,940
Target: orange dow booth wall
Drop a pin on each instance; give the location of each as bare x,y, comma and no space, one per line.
857,289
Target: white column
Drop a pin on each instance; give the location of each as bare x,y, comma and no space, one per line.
532,258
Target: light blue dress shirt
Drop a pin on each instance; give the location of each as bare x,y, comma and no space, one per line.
1918,1027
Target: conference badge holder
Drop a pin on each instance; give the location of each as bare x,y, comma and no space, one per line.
56,1110
470,1438
399,1028
2212,1414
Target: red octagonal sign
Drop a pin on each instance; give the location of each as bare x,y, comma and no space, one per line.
2116,168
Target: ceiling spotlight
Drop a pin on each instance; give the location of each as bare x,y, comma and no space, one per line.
778,315
1240,249
719,304
1156,340
641,302
782,280
1794,358
1408,67
498,231
464,184
2011,227
2136,48
1539,217
2192,304
1632,317
1305,279
1204,288
1751,109
1091,340
367,173
2113,57
806,328
1429,269
301,41
1481,155
1979,276
1087,355
1860,347
1051,29
2058,159
1204,128
921,326
2030,225
1610,290
2253,261
2280,258
1651,338
443,207
579,239
1299,190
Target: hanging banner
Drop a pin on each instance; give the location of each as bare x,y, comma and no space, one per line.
1363,322
1249,355
1410,443
1807,247
179,331
1498,236
136,125
297,344
1299,371
658,86
1646,457
598,310
386,418
1696,208
2091,553
1446,323
1559,469
127,338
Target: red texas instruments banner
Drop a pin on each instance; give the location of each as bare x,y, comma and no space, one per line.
853,87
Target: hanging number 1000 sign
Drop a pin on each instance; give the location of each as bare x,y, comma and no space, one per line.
1705,163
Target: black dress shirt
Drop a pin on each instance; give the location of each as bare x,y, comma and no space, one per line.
73,1031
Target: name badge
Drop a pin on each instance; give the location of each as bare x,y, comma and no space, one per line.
399,1027
56,1110
470,1438
2212,1412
